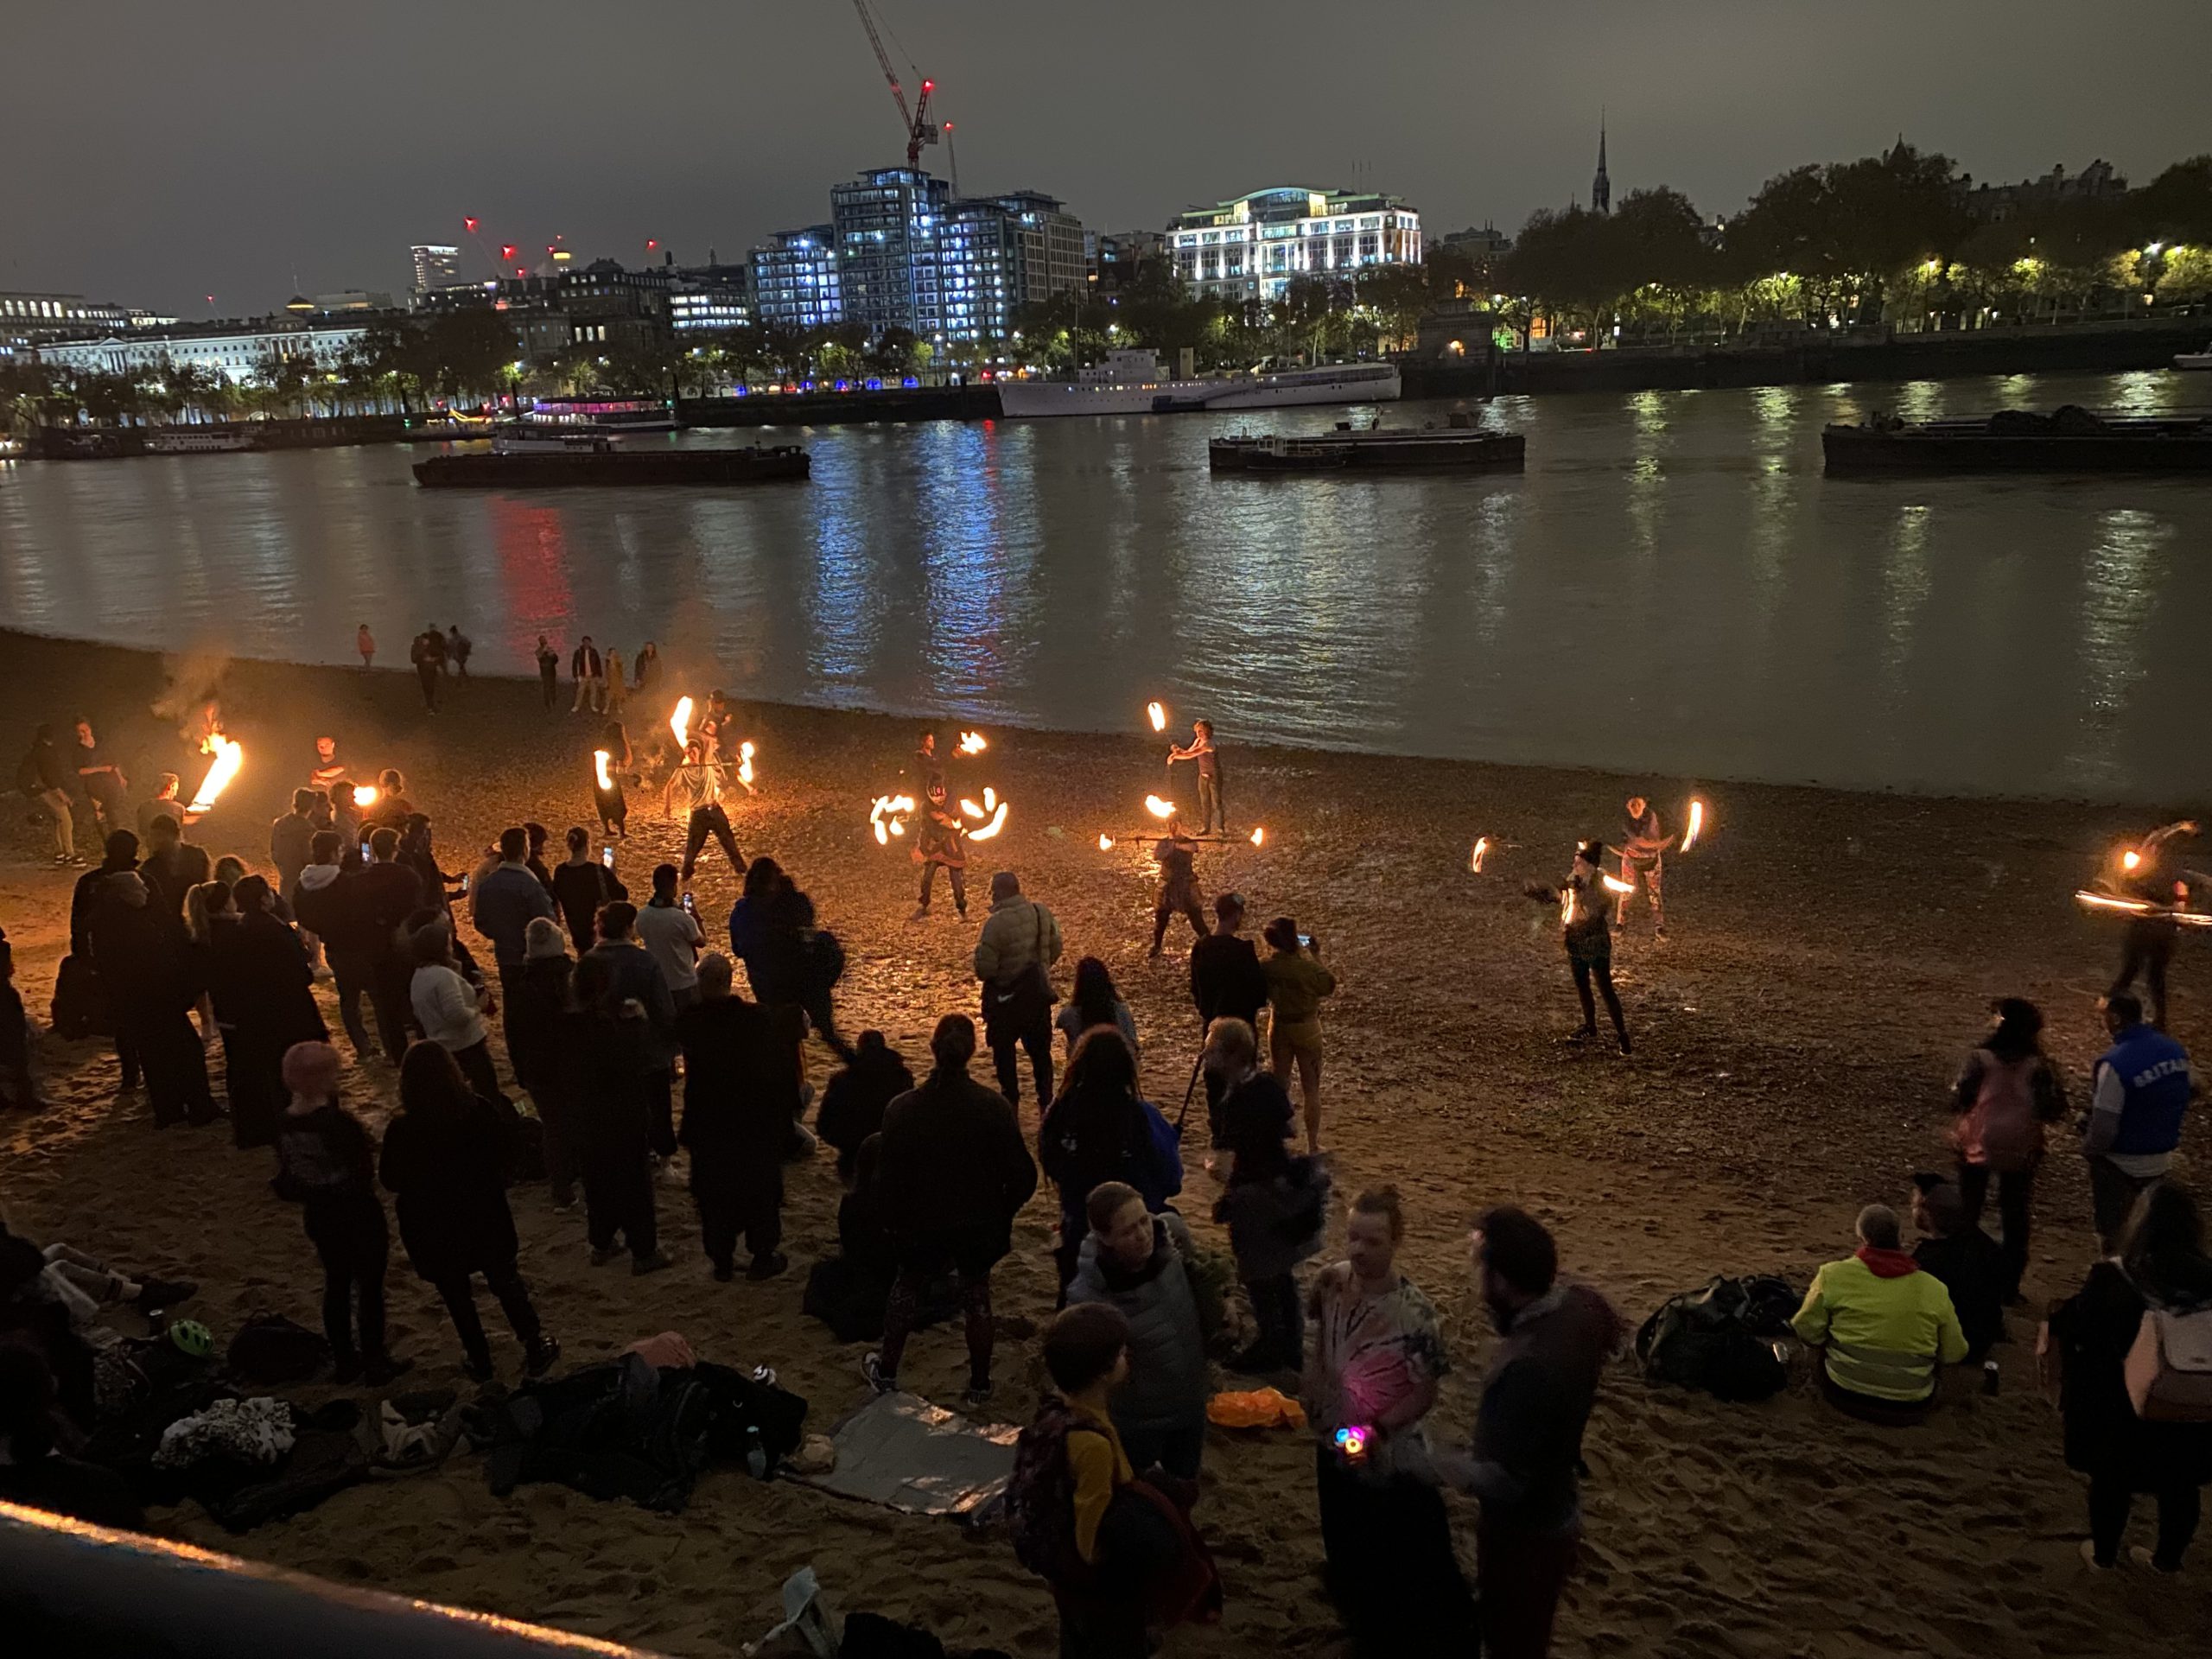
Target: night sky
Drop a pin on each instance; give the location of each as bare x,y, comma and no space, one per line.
158,152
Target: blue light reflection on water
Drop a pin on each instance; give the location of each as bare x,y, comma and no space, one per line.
1672,585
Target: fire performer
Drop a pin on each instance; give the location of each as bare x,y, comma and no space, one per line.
695,790
1643,848
1176,856
1211,805
1583,900
941,842
613,806
2148,873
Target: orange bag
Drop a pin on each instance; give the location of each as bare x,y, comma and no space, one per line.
1257,1408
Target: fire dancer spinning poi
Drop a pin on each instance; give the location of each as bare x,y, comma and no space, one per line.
941,842
1584,901
1643,848
2147,873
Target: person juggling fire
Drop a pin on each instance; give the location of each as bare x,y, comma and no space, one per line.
693,791
1643,849
1201,749
1177,856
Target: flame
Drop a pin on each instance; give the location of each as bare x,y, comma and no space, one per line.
971,809
888,817
2130,859
680,722
1158,808
972,743
1105,843
1158,714
1697,823
599,759
1614,884
1567,906
1475,858
990,831
229,755
365,794
1259,836
745,764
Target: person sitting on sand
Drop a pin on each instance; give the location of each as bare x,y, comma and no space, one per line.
1971,1264
1883,1327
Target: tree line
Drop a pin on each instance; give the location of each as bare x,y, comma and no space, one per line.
1886,238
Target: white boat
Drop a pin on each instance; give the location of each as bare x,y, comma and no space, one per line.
2195,360
1132,383
189,440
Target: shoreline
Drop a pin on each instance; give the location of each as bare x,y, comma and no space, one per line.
1287,749
1832,955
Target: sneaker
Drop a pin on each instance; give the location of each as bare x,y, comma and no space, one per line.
2143,1557
539,1357
563,1202
768,1267
378,1372
63,860
478,1370
921,913
881,1381
1624,1044
976,1399
601,1258
2089,1557
724,1272
1581,1036
165,1293
652,1263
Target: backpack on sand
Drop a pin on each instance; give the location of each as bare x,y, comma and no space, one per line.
1720,1338
1040,1498
2168,1370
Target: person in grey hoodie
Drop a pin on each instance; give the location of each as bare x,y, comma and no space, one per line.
1137,1262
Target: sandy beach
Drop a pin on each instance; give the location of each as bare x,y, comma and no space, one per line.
1831,959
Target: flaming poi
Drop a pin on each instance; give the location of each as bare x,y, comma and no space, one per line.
888,817
1614,884
990,814
229,755
972,743
745,762
1158,808
1260,836
1105,843
2130,859
680,722
364,795
1475,858
1696,823
600,758
1157,713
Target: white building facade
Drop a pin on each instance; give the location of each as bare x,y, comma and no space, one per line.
237,351
1251,247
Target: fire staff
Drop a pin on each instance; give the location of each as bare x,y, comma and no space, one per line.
2147,873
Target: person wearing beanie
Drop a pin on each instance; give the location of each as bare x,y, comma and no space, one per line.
326,1163
1585,910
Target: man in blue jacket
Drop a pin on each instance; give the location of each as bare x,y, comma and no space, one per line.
2139,1095
508,898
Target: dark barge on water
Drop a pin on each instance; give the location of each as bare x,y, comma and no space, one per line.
2070,439
1461,446
563,463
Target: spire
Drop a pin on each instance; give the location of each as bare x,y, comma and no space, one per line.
1601,187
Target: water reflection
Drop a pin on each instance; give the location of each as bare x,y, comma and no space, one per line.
1673,586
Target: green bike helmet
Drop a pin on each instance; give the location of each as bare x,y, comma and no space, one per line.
193,1338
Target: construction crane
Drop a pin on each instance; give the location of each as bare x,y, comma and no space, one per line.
920,129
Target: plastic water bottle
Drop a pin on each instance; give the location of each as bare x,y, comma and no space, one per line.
756,1454
1989,1376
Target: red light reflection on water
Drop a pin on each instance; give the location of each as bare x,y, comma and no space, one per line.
534,563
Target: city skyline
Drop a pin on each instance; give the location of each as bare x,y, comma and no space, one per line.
712,126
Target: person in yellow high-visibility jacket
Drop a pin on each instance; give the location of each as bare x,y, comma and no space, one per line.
1883,1325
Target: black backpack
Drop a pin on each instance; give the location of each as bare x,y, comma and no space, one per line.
1721,1339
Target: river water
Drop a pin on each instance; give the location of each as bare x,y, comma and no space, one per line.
1672,588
